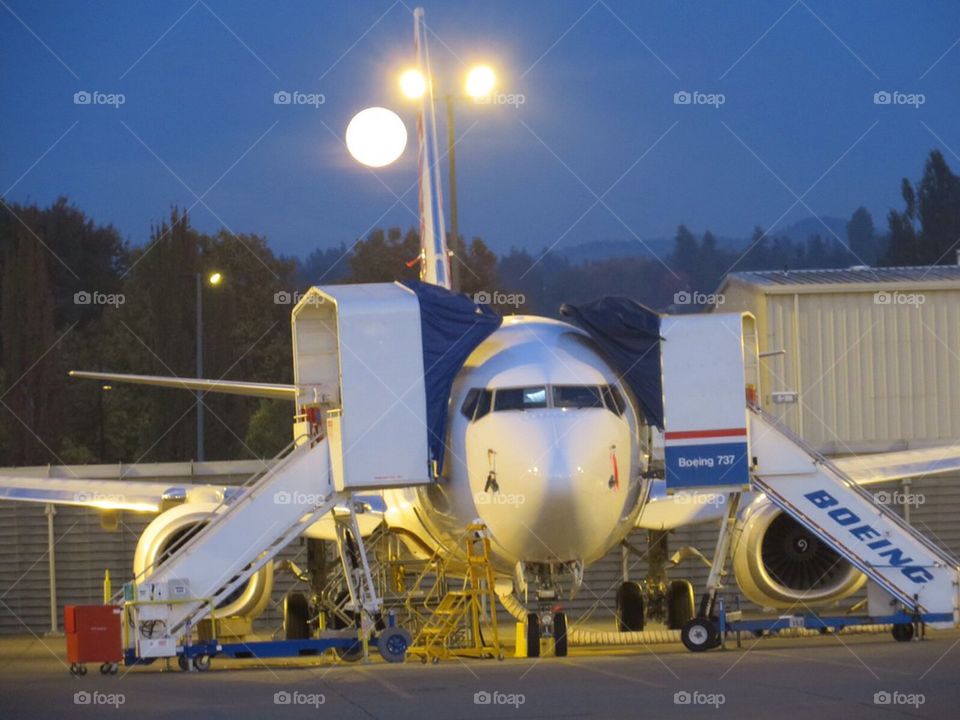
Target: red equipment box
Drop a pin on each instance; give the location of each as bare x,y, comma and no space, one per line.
93,633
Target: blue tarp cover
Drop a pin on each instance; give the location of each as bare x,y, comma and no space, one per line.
628,334
452,326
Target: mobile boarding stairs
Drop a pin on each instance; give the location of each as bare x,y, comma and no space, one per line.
360,426
727,445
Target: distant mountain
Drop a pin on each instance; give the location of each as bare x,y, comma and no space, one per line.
798,232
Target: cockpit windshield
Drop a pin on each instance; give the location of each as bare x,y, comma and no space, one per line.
479,402
519,398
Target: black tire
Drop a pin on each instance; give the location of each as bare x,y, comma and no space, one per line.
183,662
202,663
393,643
296,617
630,607
533,635
902,632
560,634
700,634
681,604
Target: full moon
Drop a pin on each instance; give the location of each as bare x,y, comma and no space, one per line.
376,136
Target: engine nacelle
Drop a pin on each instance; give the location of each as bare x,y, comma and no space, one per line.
779,563
173,527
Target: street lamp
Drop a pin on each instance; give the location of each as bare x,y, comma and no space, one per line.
214,279
479,84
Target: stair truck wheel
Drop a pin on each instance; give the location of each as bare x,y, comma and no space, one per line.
681,605
533,635
393,643
630,610
560,634
296,617
902,632
202,663
700,634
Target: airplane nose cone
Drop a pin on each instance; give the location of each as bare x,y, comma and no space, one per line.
552,492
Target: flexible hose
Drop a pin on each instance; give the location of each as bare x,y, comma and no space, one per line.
594,637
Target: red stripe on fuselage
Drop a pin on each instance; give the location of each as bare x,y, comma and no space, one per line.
697,434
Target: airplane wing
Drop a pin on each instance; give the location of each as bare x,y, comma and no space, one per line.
101,494
231,387
882,467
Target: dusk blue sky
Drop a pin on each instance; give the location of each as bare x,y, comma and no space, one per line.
598,80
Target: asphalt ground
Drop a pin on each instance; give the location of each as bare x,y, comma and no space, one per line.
809,678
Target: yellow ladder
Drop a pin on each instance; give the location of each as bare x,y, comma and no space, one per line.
472,608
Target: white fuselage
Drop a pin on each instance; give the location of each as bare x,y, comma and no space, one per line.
538,407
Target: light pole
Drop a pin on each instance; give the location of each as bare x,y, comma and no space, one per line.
215,278
479,85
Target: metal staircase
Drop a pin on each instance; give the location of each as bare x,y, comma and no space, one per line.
465,613
816,493
270,512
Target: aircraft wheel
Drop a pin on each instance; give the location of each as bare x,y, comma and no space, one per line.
681,605
630,610
393,643
296,617
903,632
560,634
700,634
533,635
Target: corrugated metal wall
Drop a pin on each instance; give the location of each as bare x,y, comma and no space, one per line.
871,376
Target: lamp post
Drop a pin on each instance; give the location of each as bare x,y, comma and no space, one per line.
214,278
479,84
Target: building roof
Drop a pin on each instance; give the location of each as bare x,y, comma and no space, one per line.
861,276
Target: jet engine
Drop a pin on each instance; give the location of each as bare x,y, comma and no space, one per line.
171,528
780,563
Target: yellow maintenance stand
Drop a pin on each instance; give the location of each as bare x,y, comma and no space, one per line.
471,610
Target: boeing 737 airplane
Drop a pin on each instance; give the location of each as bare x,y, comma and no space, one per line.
548,447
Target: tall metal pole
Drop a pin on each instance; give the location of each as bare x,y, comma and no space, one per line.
452,181
50,511
199,366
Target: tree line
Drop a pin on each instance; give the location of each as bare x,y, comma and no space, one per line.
75,295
